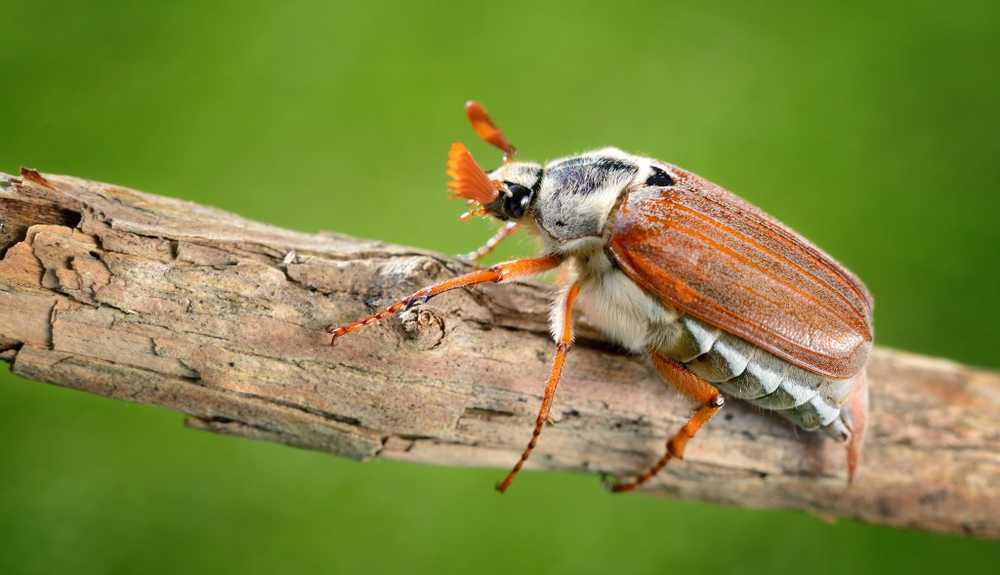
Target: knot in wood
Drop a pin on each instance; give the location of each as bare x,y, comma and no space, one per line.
422,328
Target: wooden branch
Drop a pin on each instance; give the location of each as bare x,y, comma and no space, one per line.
159,301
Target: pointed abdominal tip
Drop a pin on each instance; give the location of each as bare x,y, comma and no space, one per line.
467,179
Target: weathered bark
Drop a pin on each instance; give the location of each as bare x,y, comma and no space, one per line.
160,301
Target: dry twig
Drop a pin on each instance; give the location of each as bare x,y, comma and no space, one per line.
159,301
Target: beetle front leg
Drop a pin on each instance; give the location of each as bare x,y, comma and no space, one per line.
498,273
492,243
694,387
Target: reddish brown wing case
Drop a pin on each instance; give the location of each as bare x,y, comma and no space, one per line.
713,256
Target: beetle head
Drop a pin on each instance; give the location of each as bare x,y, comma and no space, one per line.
505,193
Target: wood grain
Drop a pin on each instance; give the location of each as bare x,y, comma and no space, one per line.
159,301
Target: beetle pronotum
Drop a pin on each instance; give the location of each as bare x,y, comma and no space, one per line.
724,299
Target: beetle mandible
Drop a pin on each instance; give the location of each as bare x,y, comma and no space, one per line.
724,299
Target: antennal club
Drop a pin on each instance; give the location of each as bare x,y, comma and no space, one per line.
468,180
487,130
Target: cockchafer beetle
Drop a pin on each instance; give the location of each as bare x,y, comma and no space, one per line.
724,299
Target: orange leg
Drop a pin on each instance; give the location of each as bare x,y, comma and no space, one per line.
694,387
564,341
492,243
498,273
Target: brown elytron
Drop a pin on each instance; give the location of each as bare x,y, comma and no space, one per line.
711,255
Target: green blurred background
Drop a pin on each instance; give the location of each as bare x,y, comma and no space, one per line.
869,127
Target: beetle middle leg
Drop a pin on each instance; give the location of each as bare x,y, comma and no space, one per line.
694,387
563,343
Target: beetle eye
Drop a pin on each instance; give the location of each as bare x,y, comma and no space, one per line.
515,204
659,178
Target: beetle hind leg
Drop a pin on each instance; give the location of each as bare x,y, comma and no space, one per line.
694,387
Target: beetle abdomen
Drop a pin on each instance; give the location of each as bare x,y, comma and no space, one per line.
741,370
750,373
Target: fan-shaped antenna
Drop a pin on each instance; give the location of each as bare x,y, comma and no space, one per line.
487,130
